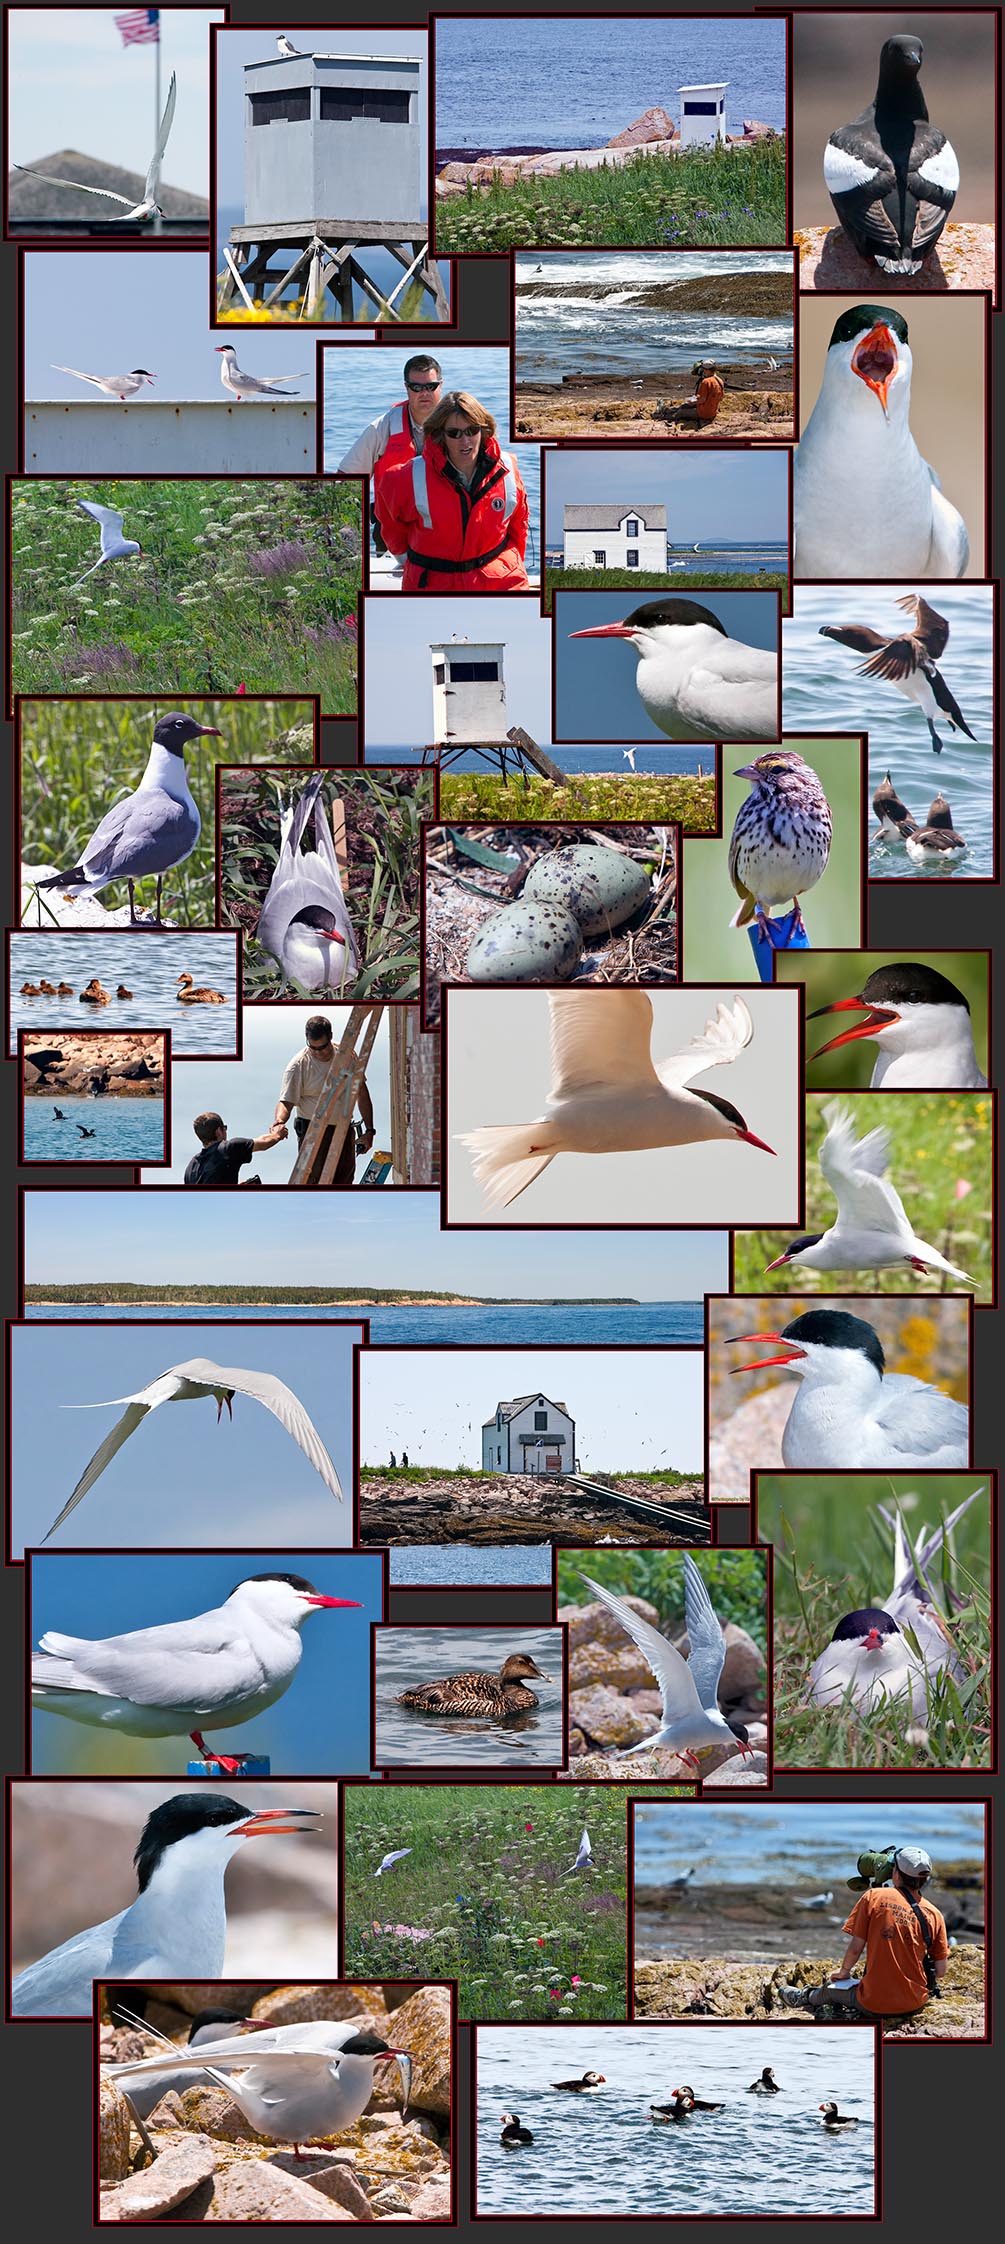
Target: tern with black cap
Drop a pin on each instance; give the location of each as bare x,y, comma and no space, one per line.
921,1024
690,1722
900,1649
294,2083
694,681
871,1230
848,1410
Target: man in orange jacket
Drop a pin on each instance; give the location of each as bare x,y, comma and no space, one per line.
708,396
459,513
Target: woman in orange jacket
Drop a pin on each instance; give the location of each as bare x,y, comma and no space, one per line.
458,511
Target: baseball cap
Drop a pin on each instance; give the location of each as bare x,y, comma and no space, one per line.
914,1862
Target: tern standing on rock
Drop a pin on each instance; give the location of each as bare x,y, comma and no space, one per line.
859,475
872,1231
891,175
921,1023
694,681
295,2084
849,1410
149,831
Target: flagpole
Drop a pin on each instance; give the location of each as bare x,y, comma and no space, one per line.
158,222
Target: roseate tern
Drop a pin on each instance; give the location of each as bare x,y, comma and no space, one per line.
849,1410
512,2132
921,1024
857,463
177,1926
815,1901
586,2086
781,839
183,1677
149,207
390,1859
607,1096
584,1859
251,385
891,175
199,1381
870,1660
872,1231
114,547
694,681
937,844
295,2083
122,386
690,1722
303,922
908,661
766,2086
149,831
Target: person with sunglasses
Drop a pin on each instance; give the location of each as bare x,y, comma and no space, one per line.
458,512
304,1081
398,434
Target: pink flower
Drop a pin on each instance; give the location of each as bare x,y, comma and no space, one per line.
528,1827
556,1994
576,1981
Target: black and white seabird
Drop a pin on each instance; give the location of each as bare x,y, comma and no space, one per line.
833,2119
938,843
908,661
850,1411
893,814
694,681
870,1659
891,175
149,831
921,1024
862,490
872,1230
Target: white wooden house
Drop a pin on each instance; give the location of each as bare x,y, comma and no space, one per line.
702,114
469,690
616,537
529,1435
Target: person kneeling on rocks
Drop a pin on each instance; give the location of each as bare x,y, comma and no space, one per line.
704,405
903,1938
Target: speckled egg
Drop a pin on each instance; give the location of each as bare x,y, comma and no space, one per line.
599,886
534,941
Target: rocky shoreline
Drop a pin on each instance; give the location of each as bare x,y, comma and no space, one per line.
513,1508
125,1065
706,1988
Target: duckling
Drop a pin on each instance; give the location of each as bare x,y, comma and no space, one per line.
587,2086
833,2118
48,988
512,2132
474,1693
95,994
64,989
189,995
30,989
122,991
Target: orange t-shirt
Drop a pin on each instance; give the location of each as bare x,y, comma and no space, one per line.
894,1978
710,396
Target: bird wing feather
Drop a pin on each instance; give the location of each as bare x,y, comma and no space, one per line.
264,1387
51,181
152,181
736,708
600,1037
725,1035
707,1645
132,1417
200,1664
918,1417
855,1169
673,1674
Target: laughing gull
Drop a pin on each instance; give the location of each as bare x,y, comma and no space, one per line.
138,212
151,830
303,921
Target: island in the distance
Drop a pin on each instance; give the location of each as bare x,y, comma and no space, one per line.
111,1292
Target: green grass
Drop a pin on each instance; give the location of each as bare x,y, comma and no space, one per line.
702,198
939,1141
78,760
504,1919
383,812
590,795
247,583
676,584
832,1553
736,1580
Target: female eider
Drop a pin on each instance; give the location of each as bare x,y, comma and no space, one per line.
474,1693
189,995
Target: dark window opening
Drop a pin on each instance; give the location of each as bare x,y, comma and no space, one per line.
341,105
702,108
281,108
540,1421
631,527
632,557
475,673
599,557
439,674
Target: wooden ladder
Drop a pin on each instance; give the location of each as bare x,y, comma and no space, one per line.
321,1146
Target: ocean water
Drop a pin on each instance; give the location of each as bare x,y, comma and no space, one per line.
596,323
474,1565
409,1739
796,1840
124,1129
712,559
657,755
569,84
740,2162
823,690
664,1324
147,964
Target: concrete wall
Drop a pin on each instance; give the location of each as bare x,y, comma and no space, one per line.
195,437
318,168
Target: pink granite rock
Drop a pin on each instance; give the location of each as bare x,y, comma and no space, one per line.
654,124
963,257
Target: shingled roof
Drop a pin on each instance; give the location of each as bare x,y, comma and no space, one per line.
513,1409
34,198
611,517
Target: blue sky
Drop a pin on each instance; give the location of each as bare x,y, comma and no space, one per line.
74,85
595,695
115,309
319,1727
239,47
179,1478
399,667
245,1092
733,495
390,1239
634,1410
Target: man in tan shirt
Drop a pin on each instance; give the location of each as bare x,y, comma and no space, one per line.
305,1079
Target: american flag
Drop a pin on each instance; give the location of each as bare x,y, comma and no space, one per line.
140,26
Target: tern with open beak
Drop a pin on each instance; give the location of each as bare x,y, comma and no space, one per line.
607,1096
694,681
848,1410
858,471
177,1926
303,922
149,206
869,1658
183,1677
202,1381
871,1231
921,1024
150,831
690,1722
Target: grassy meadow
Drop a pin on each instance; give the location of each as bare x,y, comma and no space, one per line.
941,1166
654,580
241,584
78,759
702,198
666,796
485,1897
833,1552
383,810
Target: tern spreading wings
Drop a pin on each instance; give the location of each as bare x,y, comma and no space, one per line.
150,206
196,1382
690,1721
303,921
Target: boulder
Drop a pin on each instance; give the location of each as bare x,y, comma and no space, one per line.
290,2006
183,2166
654,124
113,2131
261,2191
338,2183
422,2027
623,1667
606,1716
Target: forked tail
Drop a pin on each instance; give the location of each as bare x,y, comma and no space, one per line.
507,1157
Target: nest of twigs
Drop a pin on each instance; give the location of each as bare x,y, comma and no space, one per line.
462,894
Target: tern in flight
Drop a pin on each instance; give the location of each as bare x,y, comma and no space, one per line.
150,206
114,547
872,1230
199,1381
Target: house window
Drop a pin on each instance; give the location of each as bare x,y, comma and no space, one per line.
632,557
281,108
498,1456
599,558
439,673
475,673
540,1421
341,105
631,527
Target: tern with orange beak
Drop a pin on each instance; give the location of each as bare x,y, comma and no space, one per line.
921,1024
849,1410
869,1658
694,681
177,1926
871,1231
303,921
861,485
608,1096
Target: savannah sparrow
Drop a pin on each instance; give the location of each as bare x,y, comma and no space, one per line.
781,838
